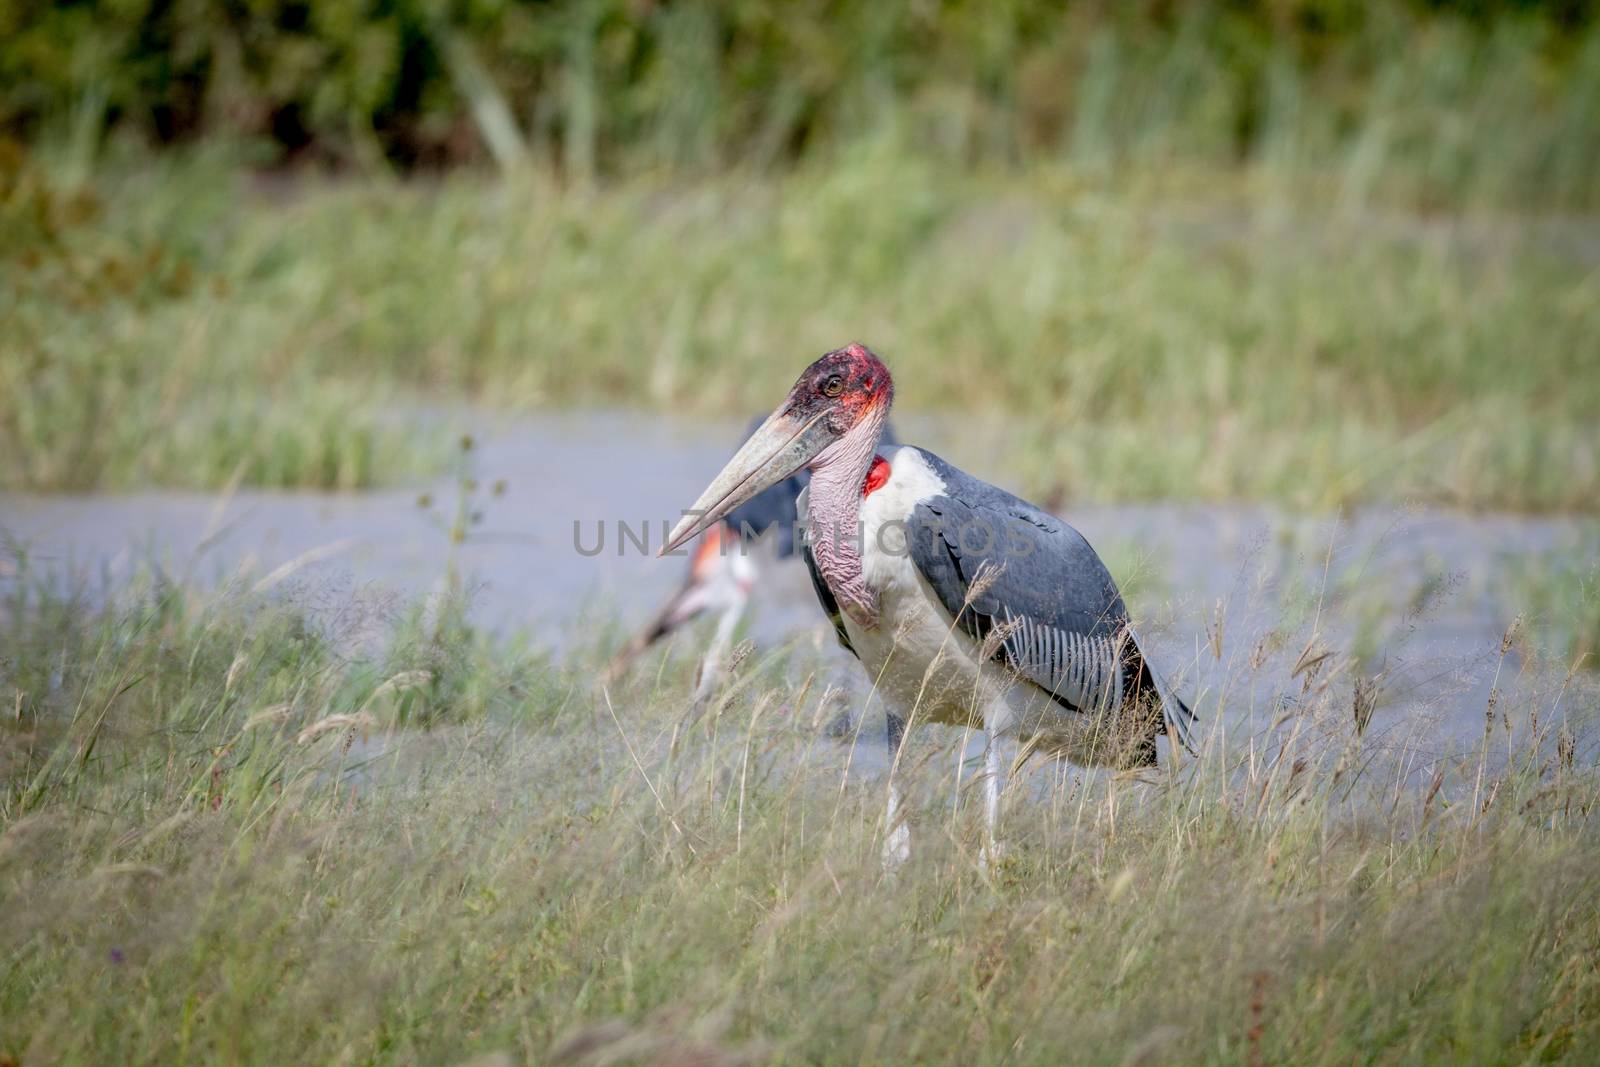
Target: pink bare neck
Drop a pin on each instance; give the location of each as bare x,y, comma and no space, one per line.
834,514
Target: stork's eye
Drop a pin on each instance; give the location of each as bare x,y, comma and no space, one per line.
833,386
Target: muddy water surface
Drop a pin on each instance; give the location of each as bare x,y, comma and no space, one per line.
1229,594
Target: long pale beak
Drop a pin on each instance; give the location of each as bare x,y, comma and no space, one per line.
779,447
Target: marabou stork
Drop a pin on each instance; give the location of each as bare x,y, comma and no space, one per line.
965,604
720,578
722,574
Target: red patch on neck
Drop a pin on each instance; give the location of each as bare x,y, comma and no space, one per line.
705,556
877,474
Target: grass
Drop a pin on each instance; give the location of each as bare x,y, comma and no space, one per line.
1562,597
227,835
125,341
1187,334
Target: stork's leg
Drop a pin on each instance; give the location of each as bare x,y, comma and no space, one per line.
896,834
711,665
991,803
998,718
991,788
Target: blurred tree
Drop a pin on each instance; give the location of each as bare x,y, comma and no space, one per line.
599,86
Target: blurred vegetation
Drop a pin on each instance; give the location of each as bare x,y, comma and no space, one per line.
1103,339
1560,594
108,374
1317,252
253,654
1440,101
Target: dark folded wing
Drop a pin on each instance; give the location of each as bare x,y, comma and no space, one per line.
1007,572
830,603
1012,573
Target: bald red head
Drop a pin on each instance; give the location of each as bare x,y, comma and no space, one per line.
846,383
846,392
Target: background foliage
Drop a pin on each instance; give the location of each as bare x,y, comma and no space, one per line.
1484,97
1314,250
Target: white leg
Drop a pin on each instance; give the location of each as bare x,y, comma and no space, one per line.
991,789
897,835
991,802
998,719
717,652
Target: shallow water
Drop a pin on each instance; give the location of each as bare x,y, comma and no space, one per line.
1425,595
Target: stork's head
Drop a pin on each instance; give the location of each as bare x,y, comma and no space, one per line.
847,389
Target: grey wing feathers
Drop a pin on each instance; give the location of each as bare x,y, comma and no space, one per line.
997,563
1081,669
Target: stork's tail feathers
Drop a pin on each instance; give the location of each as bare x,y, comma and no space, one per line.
1180,719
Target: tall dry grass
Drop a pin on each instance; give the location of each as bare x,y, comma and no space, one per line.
219,841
